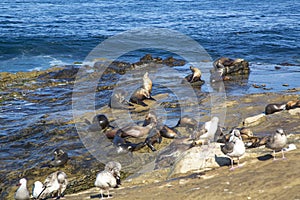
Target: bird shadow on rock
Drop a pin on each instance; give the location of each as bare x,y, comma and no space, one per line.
222,161
99,196
265,157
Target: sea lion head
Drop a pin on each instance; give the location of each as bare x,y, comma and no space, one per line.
101,120
147,83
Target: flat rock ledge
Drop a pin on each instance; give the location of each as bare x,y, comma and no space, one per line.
258,119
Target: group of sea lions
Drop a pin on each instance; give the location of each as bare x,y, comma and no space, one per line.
118,98
276,107
150,132
226,67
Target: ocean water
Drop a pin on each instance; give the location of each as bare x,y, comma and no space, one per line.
37,34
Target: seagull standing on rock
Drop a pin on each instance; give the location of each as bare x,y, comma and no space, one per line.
206,133
22,192
37,189
54,185
235,147
109,177
277,142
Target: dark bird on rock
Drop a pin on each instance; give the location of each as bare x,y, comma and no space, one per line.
60,158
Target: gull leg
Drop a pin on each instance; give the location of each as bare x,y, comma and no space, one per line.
101,194
232,168
108,194
283,157
274,155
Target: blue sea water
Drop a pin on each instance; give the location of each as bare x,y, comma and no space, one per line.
36,34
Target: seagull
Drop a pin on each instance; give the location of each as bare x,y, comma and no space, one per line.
22,193
37,189
211,129
115,167
109,177
206,132
235,147
54,185
277,142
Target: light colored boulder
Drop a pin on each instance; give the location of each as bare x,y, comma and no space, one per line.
254,120
199,158
295,111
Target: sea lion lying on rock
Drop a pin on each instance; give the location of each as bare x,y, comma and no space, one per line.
99,123
293,104
153,137
227,66
272,108
118,100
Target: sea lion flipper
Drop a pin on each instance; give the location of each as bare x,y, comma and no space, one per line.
151,98
151,146
139,102
87,122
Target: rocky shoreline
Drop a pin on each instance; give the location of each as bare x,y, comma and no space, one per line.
259,178
256,179
57,126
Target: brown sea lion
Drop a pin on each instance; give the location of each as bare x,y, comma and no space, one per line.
138,131
168,132
139,95
118,101
223,62
164,130
144,92
110,134
100,122
247,136
195,76
227,66
134,130
147,83
293,104
186,121
125,146
272,108
153,137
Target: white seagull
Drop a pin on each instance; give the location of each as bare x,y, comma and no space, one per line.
277,142
54,185
22,193
108,178
235,147
37,189
208,130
